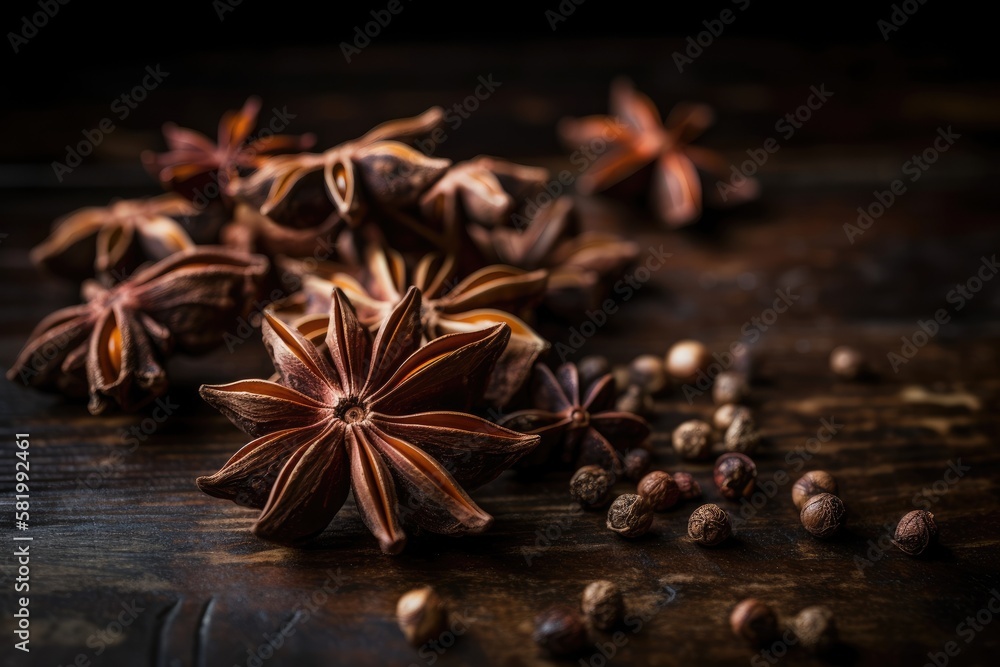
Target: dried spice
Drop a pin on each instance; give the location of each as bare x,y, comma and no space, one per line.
366,414
560,631
647,372
114,346
815,628
742,434
688,485
603,604
637,463
754,622
485,298
197,168
730,387
847,362
638,140
111,241
726,414
686,358
630,515
915,532
693,440
823,515
709,526
735,475
422,615
660,489
810,484
591,486
635,400
576,423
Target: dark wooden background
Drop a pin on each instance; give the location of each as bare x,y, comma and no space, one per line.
118,523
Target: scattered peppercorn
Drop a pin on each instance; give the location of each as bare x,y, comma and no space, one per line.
815,628
637,463
591,368
915,532
422,615
693,440
823,515
812,483
754,621
591,486
688,485
635,400
847,362
725,414
709,526
742,434
660,490
630,515
560,631
730,387
647,372
735,475
603,604
685,358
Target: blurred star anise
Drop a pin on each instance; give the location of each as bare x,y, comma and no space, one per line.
192,162
365,415
111,241
492,295
113,347
638,139
578,425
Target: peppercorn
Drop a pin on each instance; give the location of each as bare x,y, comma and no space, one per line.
422,615
709,526
823,515
635,400
591,368
560,631
647,372
730,387
735,475
811,483
693,439
742,435
754,621
847,362
637,463
815,628
660,490
725,414
630,515
591,486
687,485
915,532
685,358
603,604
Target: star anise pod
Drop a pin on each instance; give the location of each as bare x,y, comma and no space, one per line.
579,263
110,241
370,415
638,139
252,231
192,162
114,345
494,294
578,424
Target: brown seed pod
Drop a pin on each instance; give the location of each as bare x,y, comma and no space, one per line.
815,628
603,604
560,631
811,483
591,486
630,515
742,435
730,387
660,490
823,515
915,532
709,526
735,475
422,615
725,414
754,621
693,440
688,485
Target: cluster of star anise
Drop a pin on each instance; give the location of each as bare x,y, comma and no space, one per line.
419,307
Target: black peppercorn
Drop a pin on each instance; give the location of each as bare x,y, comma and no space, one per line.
591,486
915,532
693,439
422,615
560,631
630,515
635,400
742,435
709,526
735,475
754,621
603,604
647,372
637,463
847,363
660,490
685,358
725,414
729,387
811,483
823,515
688,485
815,628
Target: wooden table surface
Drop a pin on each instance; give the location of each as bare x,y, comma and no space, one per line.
132,565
